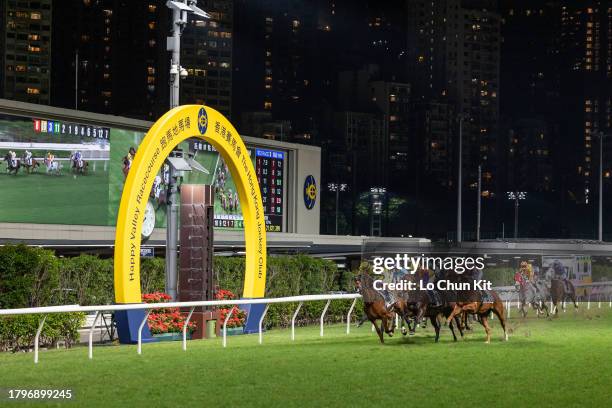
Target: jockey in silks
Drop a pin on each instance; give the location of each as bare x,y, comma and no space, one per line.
520,280
13,158
28,157
559,272
156,191
49,160
78,159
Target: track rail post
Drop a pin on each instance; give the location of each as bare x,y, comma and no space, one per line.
323,315
185,328
139,349
91,330
261,322
229,314
348,316
293,320
37,338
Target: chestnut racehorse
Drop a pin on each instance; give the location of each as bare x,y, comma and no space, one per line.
471,302
374,306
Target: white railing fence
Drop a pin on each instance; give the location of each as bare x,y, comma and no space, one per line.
44,311
600,291
508,294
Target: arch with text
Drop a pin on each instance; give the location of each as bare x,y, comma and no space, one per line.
174,127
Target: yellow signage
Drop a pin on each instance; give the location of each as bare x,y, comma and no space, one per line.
171,129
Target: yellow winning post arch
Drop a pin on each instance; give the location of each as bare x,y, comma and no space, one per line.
174,127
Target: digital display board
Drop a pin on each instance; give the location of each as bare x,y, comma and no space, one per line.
270,168
210,169
64,172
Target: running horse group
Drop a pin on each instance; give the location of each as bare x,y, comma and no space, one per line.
536,293
414,305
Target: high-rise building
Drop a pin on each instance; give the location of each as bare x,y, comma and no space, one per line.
25,50
453,58
530,107
586,49
206,54
119,48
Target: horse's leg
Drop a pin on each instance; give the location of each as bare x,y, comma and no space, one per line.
498,310
378,331
484,320
458,323
456,310
436,325
452,328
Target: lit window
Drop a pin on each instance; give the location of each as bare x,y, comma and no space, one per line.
267,105
33,91
35,15
152,8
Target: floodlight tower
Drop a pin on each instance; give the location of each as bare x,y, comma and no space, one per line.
516,196
180,13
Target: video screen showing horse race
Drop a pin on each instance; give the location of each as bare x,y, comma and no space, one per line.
49,165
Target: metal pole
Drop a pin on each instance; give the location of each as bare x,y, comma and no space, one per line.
348,316
91,330
293,320
229,314
459,178
185,324
37,337
140,331
261,322
337,199
516,207
478,203
76,80
323,315
600,236
172,208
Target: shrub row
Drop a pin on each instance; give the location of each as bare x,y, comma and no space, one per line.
32,277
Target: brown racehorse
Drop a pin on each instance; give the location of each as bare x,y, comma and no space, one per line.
374,306
470,301
419,305
32,167
559,293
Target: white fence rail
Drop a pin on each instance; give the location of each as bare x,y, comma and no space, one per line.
507,293
191,305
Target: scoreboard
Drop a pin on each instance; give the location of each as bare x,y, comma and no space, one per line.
270,168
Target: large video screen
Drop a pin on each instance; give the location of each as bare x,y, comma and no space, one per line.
61,172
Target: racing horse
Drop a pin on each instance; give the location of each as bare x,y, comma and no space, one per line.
30,167
560,291
474,302
79,165
534,294
420,303
374,306
10,167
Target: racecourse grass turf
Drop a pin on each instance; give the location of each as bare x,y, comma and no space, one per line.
561,362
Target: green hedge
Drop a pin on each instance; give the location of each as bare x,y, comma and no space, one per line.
18,332
31,277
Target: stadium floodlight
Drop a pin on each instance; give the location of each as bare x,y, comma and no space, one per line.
516,196
337,188
196,10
